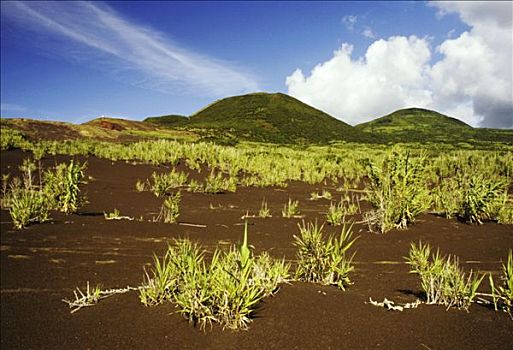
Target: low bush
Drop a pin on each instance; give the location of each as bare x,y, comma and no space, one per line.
442,279
217,183
170,209
503,293
264,211
290,209
162,184
225,291
27,206
480,198
62,186
321,261
398,190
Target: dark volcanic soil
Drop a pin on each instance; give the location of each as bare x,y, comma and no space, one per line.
42,264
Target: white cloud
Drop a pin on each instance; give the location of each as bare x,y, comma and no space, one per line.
472,81
349,21
476,68
390,76
368,33
140,55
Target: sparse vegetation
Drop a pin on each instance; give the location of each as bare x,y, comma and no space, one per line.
503,293
398,190
290,209
62,186
162,184
226,290
264,211
441,277
170,209
324,261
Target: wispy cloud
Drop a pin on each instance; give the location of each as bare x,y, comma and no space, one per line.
368,33
142,56
349,21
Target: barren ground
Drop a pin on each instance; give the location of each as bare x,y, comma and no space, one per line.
42,264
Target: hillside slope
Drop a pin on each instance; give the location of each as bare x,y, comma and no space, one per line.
270,117
423,125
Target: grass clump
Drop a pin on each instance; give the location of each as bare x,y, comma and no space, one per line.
29,199
62,186
480,198
324,194
162,184
326,262
338,211
264,211
290,209
442,279
398,190
170,210
26,206
503,293
224,291
217,183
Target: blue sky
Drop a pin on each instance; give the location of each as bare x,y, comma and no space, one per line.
76,61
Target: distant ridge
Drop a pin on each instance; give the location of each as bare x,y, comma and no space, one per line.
269,117
423,125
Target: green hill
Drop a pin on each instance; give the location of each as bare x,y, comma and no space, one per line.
168,120
269,117
422,125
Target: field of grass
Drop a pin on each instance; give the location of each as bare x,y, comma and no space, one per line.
294,215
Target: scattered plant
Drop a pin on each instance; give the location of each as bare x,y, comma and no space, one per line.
321,261
480,197
26,206
62,186
325,194
140,186
161,184
217,183
397,190
503,294
264,211
225,291
170,209
442,279
290,209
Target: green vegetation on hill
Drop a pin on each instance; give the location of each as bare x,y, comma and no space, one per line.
276,118
271,118
422,125
168,120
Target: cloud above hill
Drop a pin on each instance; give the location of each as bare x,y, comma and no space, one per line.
95,34
472,81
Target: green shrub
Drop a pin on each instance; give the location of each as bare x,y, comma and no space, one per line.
225,291
217,183
170,209
503,294
61,186
480,197
290,209
321,261
26,206
447,197
397,190
264,211
195,186
161,184
442,279
11,138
